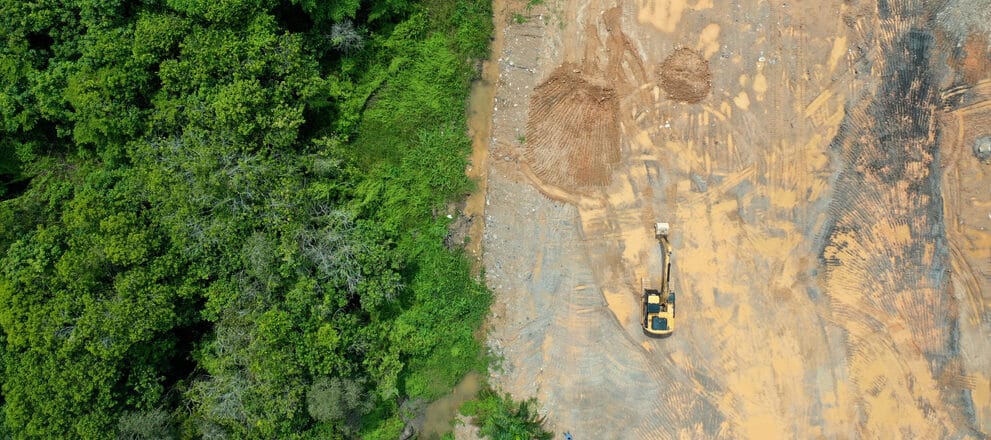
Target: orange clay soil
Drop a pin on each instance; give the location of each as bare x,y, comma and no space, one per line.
830,221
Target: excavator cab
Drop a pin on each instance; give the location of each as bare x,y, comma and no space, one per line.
658,301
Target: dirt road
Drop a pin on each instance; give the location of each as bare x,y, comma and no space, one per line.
831,217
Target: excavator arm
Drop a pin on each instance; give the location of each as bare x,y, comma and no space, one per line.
658,304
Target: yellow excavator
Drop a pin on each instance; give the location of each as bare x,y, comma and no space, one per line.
658,301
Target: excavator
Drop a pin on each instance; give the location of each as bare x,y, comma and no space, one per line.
658,300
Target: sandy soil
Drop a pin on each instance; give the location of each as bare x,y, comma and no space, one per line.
830,217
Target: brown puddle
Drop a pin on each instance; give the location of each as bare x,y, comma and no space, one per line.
480,104
441,412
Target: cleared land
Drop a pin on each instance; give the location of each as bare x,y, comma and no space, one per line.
831,216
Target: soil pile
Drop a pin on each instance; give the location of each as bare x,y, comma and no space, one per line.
685,76
572,134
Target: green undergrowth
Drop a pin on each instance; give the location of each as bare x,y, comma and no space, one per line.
499,417
412,141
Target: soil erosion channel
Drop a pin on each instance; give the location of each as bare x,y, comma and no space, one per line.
829,216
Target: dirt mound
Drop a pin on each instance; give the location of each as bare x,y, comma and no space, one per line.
685,76
572,133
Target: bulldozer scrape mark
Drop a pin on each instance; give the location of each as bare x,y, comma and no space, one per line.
967,210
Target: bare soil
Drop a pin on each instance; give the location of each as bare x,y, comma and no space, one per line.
831,222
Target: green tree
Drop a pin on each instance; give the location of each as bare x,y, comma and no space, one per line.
153,424
341,402
87,305
221,11
4,432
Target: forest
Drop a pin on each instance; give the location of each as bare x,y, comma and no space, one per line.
224,218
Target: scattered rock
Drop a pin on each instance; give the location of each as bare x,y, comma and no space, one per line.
982,149
458,230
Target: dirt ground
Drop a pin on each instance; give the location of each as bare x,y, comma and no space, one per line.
820,165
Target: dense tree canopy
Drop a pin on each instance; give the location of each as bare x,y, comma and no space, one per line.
219,215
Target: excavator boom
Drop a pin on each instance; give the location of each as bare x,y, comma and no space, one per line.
658,301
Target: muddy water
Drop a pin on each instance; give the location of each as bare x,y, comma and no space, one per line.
480,104
441,413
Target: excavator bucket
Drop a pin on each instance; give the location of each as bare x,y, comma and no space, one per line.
661,229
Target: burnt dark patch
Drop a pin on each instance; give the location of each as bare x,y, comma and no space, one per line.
888,142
